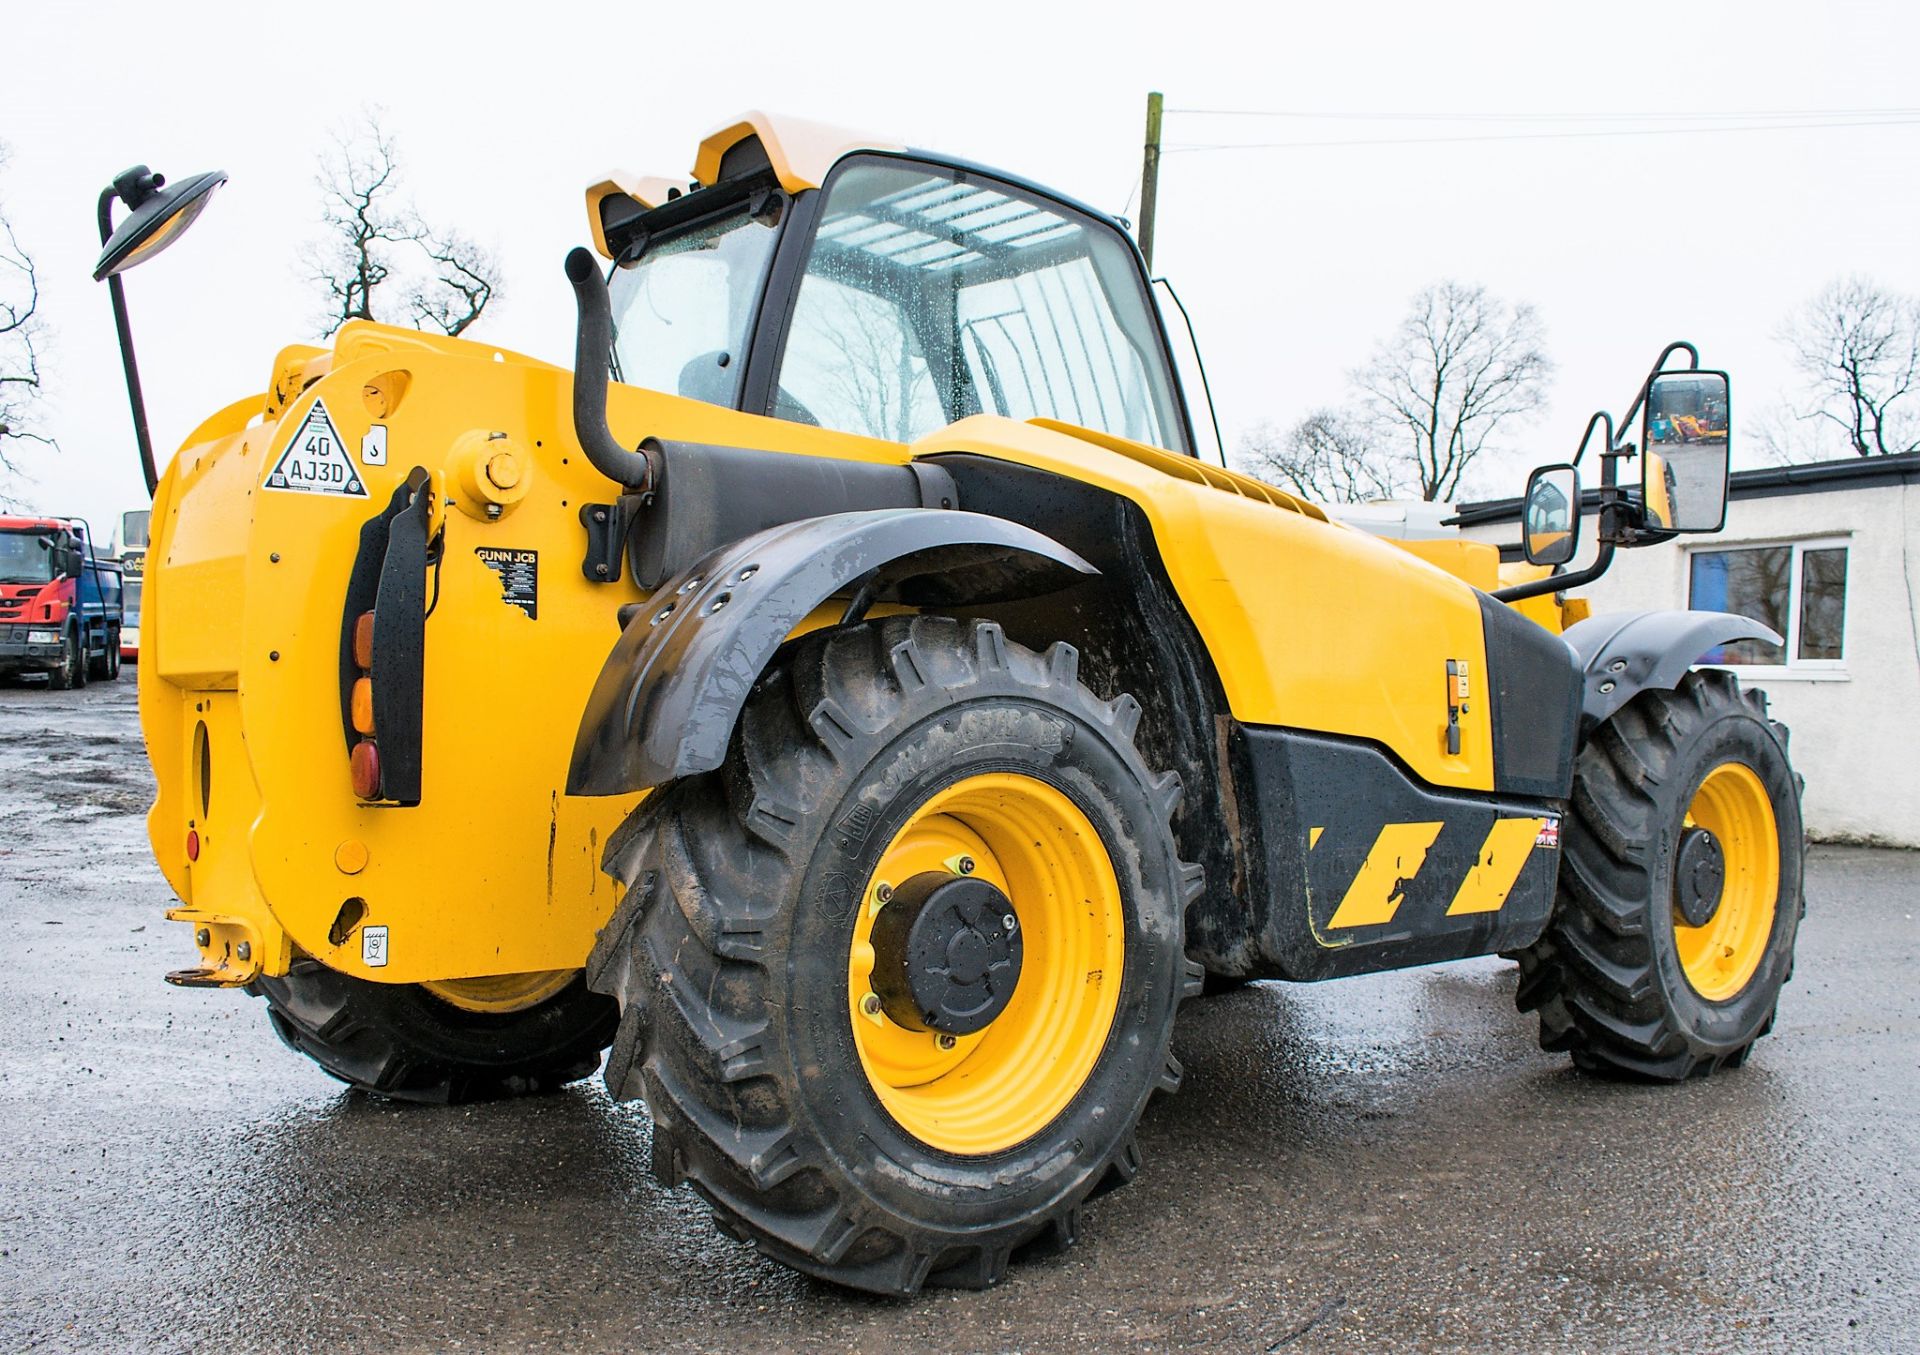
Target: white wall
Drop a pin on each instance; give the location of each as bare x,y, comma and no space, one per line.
1856,733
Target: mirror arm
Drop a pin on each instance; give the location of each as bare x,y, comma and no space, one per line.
1599,417
1659,366
125,329
1555,583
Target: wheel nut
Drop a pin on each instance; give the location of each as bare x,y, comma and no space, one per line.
1008,921
883,892
202,937
966,865
870,1004
945,1041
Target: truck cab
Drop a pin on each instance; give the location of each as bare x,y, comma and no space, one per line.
60,602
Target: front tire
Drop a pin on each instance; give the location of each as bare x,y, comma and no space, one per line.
471,1040
72,671
1680,894
841,1134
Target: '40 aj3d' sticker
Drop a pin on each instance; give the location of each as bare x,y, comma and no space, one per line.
315,462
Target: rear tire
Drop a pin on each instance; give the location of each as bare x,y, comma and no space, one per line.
401,1041
107,666
1620,979
850,1147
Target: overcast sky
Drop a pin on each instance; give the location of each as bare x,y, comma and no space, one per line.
1292,261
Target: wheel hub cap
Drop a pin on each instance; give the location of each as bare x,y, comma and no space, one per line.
947,952
1700,876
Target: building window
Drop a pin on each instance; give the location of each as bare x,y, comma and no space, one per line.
1797,589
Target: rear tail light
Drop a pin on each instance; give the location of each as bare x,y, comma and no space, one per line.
193,845
364,761
365,767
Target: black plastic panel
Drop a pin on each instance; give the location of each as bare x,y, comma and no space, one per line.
1351,791
667,699
1533,682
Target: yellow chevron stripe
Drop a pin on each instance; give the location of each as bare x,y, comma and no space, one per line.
1509,843
1375,894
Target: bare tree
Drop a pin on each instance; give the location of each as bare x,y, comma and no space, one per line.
378,258
1325,456
1460,367
22,346
459,286
1784,437
1857,344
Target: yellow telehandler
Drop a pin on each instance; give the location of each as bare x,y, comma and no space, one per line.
867,719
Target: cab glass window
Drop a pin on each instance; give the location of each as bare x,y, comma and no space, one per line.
683,311
931,294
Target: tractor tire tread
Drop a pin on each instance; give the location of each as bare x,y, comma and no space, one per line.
1592,977
361,1034
709,862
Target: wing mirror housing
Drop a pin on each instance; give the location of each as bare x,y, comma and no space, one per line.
1551,515
1685,435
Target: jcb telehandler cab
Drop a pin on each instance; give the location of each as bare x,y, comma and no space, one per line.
959,722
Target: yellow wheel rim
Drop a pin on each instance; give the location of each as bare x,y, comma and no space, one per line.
1720,957
988,1091
499,993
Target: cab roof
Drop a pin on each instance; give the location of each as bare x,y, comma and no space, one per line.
799,151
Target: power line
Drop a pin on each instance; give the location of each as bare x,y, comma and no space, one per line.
1178,148
1671,116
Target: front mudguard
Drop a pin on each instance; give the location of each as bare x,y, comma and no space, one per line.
1625,653
669,695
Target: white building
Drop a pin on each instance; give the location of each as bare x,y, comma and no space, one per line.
1828,556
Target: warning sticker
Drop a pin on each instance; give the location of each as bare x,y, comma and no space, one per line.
373,947
1549,834
519,572
315,462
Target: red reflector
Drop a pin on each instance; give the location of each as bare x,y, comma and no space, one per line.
365,765
193,845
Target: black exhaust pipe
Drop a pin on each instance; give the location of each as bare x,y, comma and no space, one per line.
632,469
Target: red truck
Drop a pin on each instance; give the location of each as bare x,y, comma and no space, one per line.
61,609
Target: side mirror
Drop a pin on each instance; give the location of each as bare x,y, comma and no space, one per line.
157,215
63,557
1550,521
1684,441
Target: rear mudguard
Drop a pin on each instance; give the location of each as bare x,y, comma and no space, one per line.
1625,653
668,698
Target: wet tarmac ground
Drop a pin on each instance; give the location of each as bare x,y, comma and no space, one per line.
1385,1163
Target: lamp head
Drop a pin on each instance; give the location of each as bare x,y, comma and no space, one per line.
157,214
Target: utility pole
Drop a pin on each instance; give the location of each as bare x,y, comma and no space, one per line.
1150,177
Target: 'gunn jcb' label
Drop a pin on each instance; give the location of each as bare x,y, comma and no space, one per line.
519,572
315,462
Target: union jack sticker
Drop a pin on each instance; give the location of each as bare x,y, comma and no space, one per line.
1549,835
